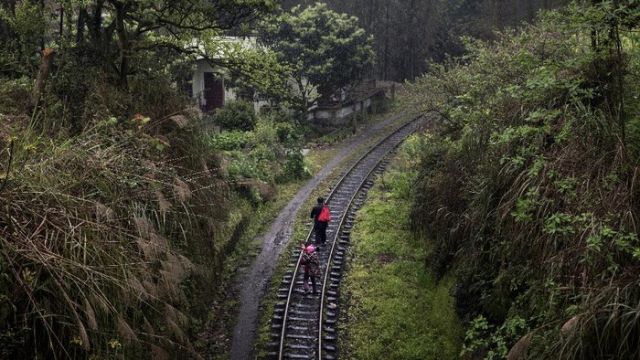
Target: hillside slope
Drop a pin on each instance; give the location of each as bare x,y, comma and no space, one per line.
528,188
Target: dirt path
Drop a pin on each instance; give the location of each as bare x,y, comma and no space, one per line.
255,281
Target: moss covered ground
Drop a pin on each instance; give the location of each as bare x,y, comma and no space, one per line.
395,307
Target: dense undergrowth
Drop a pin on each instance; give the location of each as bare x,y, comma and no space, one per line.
105,237
268,150
387,286
528,187
115,240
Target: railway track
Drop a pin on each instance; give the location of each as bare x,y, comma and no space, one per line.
304,326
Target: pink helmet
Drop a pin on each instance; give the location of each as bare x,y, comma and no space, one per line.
309,249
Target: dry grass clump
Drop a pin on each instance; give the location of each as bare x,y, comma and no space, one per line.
93,241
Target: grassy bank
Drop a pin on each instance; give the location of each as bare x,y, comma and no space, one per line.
387,284
110,245
215,336
529,187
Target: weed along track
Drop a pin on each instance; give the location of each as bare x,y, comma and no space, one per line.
304,326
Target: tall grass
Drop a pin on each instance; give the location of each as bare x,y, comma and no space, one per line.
105,237
395,308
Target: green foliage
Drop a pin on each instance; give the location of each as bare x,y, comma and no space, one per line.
287,133
14,95
633,135
117,57
295,167
476,335
323,49
260,68
269,153
524,190
230,140
26,27
394,305
483,337
237,115
412,35
117,212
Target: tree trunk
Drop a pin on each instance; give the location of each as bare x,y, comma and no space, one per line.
619,109
385,61
82,16
96,26
123,44
41,78
61,23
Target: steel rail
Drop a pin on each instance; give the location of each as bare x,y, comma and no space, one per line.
340,226
349,172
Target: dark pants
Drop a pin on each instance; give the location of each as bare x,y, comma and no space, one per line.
308,275
321,232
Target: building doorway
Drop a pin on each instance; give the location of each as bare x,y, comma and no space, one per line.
213,92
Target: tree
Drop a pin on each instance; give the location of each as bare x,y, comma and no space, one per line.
325,50
259,69
113,45
152,25
408,33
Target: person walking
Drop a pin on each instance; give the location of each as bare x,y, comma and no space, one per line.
321,215
311,266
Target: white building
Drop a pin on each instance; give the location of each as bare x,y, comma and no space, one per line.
208,87
211,87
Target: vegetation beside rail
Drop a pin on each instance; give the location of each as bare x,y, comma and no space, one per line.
215,337
121,201
395,306
528,189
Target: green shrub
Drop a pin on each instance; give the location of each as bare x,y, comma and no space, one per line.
287,133
295,167
270,152
229,140
633,136
243,166
279,116
265,133
237,115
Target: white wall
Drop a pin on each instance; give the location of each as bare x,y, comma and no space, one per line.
337,115
197,85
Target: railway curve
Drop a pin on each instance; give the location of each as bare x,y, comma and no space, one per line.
304,326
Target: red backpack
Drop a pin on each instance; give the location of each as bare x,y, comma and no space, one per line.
325,214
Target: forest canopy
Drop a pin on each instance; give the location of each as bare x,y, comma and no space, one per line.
119,44
410,34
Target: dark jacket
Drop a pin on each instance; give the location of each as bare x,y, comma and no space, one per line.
315,212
